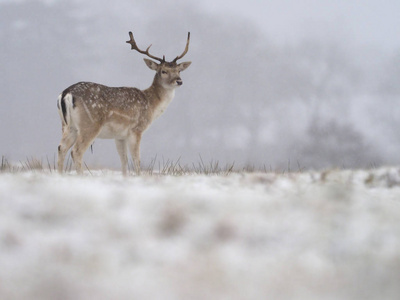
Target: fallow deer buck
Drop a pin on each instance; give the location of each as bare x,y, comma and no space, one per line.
90,110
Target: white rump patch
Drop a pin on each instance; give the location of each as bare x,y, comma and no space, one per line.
68,100
60,109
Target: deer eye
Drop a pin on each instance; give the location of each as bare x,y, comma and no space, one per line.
164,72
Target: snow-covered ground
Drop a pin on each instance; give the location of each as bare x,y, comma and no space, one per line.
311,235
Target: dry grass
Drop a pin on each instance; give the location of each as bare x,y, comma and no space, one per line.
155,167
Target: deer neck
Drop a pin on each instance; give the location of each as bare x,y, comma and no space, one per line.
159,97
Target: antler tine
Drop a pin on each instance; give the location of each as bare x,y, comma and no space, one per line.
135,47
186,49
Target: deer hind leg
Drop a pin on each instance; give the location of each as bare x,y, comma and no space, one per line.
67,140
122,151
134,147
83,141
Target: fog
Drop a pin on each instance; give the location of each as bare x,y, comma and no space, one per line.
286,84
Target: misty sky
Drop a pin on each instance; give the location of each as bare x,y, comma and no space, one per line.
366,22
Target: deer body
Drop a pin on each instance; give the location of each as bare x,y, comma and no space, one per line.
90,110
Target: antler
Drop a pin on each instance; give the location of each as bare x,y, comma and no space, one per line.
135,47
186,49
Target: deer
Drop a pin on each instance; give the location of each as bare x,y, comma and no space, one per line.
89,110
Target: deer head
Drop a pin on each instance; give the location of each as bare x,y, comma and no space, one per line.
167,73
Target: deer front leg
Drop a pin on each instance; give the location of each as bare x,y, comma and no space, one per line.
122,151
134,147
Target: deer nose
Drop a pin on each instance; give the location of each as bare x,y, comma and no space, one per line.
179,82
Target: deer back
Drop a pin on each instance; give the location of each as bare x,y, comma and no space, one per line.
96,105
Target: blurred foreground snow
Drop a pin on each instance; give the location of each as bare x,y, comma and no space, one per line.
316,235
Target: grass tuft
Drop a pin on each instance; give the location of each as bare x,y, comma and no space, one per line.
5,165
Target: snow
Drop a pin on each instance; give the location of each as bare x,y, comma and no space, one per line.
307,235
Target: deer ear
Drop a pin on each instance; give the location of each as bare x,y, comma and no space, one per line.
184,65
151,64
